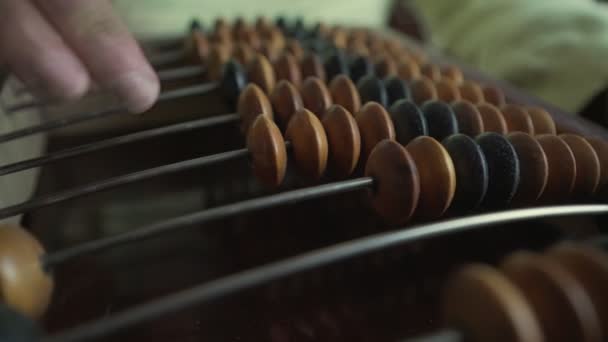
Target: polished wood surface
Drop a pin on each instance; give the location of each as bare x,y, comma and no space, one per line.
286,101
309,144
344,93
375,125
261,72
533,167
316,96
517,119
492,118
468,117
286,67
562,168
267,147
408,120
344,141
251,104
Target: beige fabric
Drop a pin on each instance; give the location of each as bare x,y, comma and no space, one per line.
555,49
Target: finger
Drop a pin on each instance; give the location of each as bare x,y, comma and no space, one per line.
36,54
106,47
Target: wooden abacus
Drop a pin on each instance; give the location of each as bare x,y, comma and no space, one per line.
366,157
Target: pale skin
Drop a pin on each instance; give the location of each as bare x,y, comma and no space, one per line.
60,48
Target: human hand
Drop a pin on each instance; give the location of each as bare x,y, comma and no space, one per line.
58,48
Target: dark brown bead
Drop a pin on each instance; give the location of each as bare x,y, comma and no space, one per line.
562,168
494,95
197,46
493,120
375,125
468,118
542,121
533,168
518,120
452,73
344,93
385,67
261,72
437,176
423,90
287,68
311,65
268,153
294,48
251,104
396,182
243,53
408,70
309,144
472,92
316,96
447,90
601,149
587,165
344,141
286,101
431,71
218,56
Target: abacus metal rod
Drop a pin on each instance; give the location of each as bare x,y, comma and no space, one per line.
167,57
82,117
284,198
253,277
116,141
444,335
46,200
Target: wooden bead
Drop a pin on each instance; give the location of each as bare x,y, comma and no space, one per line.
447,90
251,104
601,149
518,120
197,45
559,301
437,176
533,167
494,95
243,53
440,119
385,67
294,48
408,70
344,93
360,67
312,66
396,89
542,121
493,121
396,182
336,65
452,73
249,37
587,165
268,153
503,169
261,72
286,68
344,140
471,172
309,144
316,96
286,101
25,286
562,168
233,81
468,118
218,56
472,92
423,90
375,125
590,267
370,89
482,302
431,71
15,327
408,120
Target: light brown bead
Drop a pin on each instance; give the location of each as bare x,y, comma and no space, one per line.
251,104
309,144
493,121
359,48
408,69
533,168
197,46
261,72
565,312
24,285
589,266
344,92
431,71
339,37
518,120
423,90
437,176
562,168
311,66
344,141
316,96
601,149
375,125
218,56
447,91
286,68
243,53
494,95
472,92
385,67
468,117
452,73
587,165
268,153
542,120
294,48
249,37
286,101
396,182
489,307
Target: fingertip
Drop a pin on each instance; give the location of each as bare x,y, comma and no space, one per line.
71,89
138,90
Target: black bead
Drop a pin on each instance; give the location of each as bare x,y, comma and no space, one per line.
336,65
195,25
233,80
371,88
360,67
503,169
15,327
440,119
281,23
471,172
397,89
408,120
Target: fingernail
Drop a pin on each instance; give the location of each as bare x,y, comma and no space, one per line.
137,90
